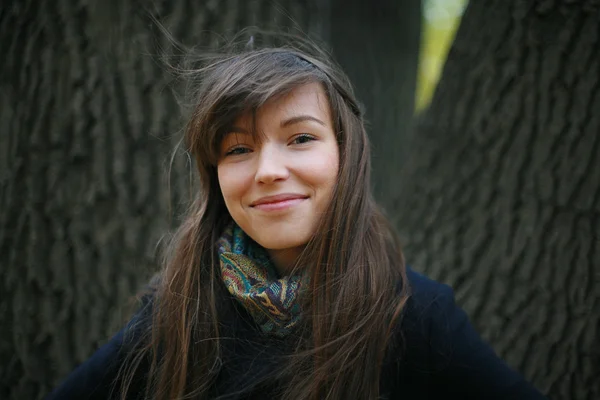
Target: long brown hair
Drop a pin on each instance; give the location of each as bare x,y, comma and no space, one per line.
357,275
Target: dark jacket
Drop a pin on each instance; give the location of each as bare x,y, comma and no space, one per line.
441,356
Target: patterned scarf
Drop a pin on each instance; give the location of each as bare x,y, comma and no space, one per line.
252,279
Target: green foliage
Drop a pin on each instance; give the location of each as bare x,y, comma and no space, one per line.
440,21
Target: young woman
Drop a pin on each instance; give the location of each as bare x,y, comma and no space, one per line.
285,281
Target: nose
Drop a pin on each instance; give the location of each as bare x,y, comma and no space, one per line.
271,165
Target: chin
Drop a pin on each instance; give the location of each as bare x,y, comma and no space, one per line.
277,241
281,244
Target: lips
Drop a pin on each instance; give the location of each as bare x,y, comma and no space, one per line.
280,198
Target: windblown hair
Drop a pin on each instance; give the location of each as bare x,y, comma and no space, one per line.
358,284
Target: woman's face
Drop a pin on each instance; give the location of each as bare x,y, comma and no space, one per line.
277,189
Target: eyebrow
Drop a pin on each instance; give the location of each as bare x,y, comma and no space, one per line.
284,123
300,118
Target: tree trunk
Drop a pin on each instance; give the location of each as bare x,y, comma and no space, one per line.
378,47
88,122
501,194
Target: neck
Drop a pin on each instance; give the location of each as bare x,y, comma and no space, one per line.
285,259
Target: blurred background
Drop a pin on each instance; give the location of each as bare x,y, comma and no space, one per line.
486,155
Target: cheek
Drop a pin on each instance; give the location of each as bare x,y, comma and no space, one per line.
232,182
324,170
332,165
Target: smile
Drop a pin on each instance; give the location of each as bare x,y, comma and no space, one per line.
279,202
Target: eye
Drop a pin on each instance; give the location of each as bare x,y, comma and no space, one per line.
303,138
237,151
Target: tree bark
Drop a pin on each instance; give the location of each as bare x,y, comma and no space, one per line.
88,122
501,194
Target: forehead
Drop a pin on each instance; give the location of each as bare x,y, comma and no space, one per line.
309,99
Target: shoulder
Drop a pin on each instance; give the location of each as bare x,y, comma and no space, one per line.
441,347
424,290
428,319
434,327
428,302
